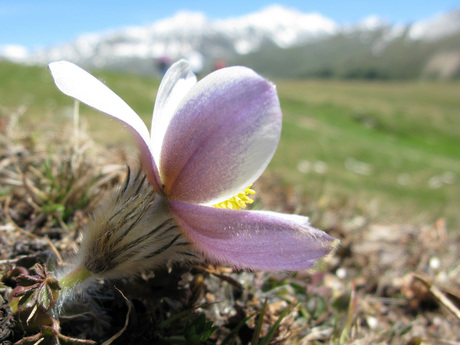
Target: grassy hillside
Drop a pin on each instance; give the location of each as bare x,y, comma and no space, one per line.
393,147
396,144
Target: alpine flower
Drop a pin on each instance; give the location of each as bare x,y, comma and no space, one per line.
209,141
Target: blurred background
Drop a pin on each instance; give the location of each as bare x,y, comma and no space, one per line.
290,39
369,89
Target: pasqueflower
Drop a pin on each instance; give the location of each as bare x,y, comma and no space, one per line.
209,141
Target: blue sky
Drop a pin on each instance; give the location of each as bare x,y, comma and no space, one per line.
36,24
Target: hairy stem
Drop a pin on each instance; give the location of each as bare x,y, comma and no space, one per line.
75,277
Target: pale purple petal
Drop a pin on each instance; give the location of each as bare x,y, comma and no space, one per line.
221,138
79,84
252,239
178,80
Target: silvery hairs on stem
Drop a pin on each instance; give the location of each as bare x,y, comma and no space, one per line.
132,231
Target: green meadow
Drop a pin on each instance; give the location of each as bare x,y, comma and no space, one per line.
390,148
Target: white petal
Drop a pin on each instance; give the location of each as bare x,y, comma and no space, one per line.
178,80
77,83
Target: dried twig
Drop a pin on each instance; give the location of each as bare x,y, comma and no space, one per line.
120,332
440,296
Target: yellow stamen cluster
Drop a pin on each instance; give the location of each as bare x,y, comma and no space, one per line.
239,201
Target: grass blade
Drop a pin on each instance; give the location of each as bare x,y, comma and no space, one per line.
255,337
273,329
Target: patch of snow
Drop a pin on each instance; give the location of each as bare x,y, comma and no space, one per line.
14,52
431,29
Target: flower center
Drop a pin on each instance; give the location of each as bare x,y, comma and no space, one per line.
238,201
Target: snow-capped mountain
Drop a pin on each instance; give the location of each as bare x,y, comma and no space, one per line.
192,35
280,25
439,26
204,41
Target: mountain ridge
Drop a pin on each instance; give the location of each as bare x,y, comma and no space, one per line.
275,30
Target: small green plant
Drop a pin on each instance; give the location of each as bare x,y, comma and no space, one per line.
257,338
59,187
198,331
31,301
